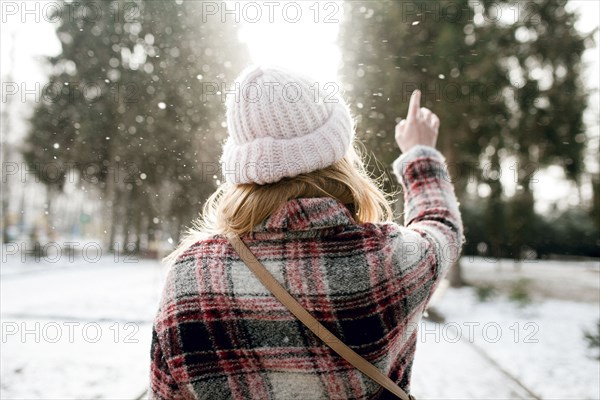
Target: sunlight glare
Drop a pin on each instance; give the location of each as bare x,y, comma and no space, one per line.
308,45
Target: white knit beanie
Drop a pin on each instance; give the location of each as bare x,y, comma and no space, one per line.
282,124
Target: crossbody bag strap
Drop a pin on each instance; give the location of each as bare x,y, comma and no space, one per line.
311,323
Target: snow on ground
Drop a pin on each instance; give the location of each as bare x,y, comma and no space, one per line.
542,344
95,364
444,369
565,280
77,329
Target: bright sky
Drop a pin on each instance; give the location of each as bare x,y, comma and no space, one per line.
305,45
294,39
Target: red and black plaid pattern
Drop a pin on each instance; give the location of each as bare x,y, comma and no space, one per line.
220,334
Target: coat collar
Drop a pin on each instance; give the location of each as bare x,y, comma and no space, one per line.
305,214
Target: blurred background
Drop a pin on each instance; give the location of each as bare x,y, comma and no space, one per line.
112,125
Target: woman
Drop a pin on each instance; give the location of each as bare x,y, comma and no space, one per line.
297,194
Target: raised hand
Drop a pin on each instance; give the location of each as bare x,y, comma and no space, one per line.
420,126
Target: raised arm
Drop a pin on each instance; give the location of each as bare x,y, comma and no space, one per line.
430,205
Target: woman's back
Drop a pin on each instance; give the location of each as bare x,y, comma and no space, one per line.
228,337
220,334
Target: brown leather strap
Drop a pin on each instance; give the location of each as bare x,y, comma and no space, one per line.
311,323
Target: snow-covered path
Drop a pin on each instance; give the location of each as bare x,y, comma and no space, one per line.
497,350
77,329
445,369
81,330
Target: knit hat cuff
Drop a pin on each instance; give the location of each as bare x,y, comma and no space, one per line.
267,160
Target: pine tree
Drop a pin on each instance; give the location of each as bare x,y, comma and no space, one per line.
502,88
143,134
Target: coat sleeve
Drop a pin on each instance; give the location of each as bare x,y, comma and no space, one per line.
431,213
163,385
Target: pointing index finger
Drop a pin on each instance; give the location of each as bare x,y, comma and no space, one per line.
414,105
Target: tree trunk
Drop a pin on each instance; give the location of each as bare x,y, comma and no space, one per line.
455,276
110,193
115,217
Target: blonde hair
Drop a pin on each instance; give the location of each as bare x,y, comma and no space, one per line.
237,208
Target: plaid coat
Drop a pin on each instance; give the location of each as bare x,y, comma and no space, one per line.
219,334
